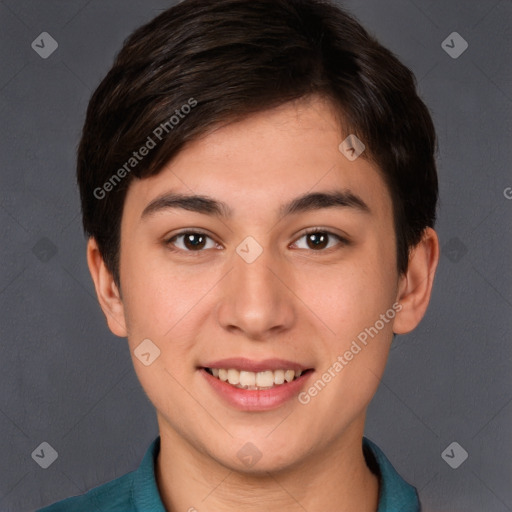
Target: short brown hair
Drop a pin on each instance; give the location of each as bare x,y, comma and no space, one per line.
226,59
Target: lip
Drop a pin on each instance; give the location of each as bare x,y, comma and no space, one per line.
251,400
249,365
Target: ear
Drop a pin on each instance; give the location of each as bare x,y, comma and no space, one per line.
106,290
415,286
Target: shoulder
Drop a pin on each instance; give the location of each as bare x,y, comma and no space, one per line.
113,496
135,491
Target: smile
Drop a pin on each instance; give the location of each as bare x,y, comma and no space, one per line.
255,385
242,379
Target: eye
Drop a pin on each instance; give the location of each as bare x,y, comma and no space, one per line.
191,241
318,239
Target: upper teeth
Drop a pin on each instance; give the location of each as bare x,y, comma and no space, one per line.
252,380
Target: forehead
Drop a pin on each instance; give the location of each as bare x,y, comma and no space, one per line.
266,159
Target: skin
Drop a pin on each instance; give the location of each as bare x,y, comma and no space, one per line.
294,301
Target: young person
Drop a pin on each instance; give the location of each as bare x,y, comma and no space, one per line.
259,189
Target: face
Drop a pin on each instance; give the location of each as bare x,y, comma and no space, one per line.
287,263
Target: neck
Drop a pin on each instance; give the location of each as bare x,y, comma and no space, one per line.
192,481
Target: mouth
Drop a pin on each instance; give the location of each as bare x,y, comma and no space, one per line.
255,385
256,381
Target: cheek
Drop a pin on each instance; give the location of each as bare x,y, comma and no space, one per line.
164,302
356,347
350,296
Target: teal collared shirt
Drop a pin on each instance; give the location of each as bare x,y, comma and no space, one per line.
137,491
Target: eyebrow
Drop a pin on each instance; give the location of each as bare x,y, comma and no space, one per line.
209,206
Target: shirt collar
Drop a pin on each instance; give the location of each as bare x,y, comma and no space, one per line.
394,492
145,494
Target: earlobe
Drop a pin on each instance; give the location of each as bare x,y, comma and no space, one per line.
106,290
415,287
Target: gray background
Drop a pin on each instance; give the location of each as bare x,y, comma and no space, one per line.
65,380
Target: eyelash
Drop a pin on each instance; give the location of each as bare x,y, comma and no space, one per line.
342,241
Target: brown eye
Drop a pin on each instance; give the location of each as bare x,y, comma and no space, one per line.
191,241
194,241
317,240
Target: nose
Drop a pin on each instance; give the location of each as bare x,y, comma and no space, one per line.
257,297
